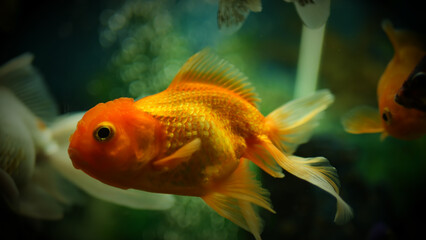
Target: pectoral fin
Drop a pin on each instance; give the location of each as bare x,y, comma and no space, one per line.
362,120
181,155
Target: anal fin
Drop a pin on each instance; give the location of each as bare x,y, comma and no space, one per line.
233,199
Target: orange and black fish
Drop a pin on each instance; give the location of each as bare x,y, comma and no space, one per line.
401,92
197,137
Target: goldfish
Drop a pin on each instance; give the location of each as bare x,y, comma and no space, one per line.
37,179
61,129
197,137
401,93
232,13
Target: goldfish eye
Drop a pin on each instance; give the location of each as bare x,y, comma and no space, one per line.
387,116
104,132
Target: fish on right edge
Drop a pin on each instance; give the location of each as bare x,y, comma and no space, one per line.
196,138
401,92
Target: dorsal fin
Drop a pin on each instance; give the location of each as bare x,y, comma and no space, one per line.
25,81
401,38
205,67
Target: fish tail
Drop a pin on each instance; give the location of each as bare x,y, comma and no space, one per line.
318,172
234,198
293,123
287,127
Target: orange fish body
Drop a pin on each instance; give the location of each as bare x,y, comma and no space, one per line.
403,121
220,119
195,137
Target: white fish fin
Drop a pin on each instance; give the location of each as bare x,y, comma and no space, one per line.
61,131
125,197
25,81
205,67
232,13
31,200
292,124
8,188
317,171
35,202
181,155
64,126
17,148
53,183
314,14
233,199
362,120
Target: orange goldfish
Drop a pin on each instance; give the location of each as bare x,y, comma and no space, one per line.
196,138
401,93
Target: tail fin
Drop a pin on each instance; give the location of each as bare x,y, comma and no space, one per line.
317,171
289,126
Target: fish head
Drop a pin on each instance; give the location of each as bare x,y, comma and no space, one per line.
399,121
113,141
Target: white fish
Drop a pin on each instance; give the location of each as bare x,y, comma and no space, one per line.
34,162
25,141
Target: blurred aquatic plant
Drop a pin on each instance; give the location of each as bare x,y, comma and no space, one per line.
148,49
190,218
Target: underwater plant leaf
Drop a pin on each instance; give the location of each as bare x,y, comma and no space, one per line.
362,120
292,124
61,130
